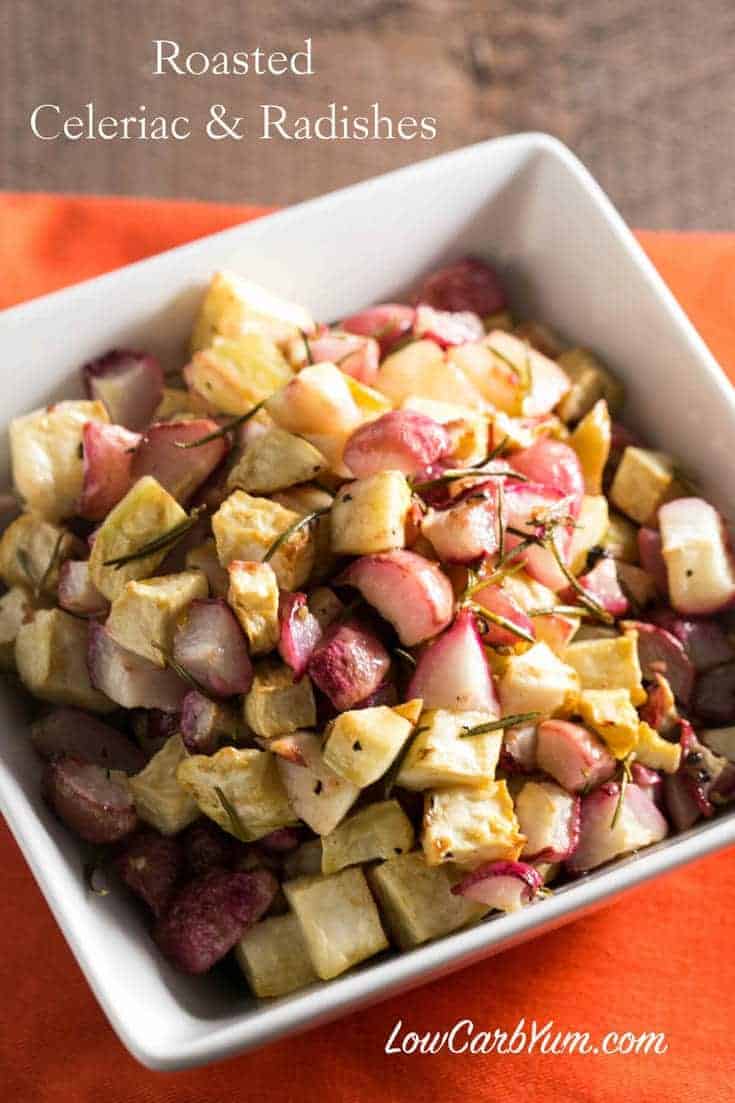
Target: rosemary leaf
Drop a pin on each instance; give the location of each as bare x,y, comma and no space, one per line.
405,655
160,543
236,825
501,621
584,596
560,611
307,347
395,768
456,473
501,521
503,722
223,430
625,777
181,671
51,564
302,522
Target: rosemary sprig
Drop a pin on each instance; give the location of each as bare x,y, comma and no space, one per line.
223,430
287,533
161,543
27,567
501,521
395,768
51,564
307,347
501,621
584,596
625,776
236,825
504,722
506,359
560,611
405,655
181,671
473,471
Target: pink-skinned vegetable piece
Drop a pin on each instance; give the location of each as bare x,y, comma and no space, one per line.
91,803
452,672
77,593
549,817
447,327
408,591
107,452
152,728
700,768
652,560
661,653
723,788
639,824
466,284
502,886
205,723
714,696
130,384
465,532
353,354
209,915
150,864
72,732
207,847
573,756
129,679
385,694
499,601
523,504
681,807
553,464
300,632
650,781
699,562
602,584
282,840
401,440
387,323
211,646
181,471
704,640
518,752
348,664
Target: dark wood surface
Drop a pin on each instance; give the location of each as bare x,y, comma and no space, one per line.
642,90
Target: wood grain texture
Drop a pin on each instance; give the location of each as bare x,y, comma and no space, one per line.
643,92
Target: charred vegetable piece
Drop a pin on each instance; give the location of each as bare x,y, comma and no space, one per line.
348,664
92,803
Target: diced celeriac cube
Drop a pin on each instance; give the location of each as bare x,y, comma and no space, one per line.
467,428
591,441
234,305
654,751
421,368
417,900
544,809
699,563
591,526
361,744
276,704
177,404
320,404
439,755
253,597
339,920
146,512
643,481
274,958
16,608
369,515
245,528
370,403
378,831
51,659
537,681
45,450
610,713
275,461
538,334
496,379
204,558
609,664
255,802
146,612
318,796
470,825
590,382
159,798
621,539
233,374
31,552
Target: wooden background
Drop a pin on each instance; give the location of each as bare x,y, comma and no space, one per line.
642,90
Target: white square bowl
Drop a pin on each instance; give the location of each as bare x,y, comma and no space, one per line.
568,259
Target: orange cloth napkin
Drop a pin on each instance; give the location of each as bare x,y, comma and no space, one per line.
660,959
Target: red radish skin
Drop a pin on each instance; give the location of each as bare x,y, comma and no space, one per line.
447,328
153,728
573,756
130,384
639,824
651,557
681,807
387,323
518,752
385,694
96,807
659,709
408,591
661,653
452,672
523,505
466,284
128,679
502,886
553,464
300,632
107,452
650,781
401,440
354,355
602,584
76,592
72,732
149,865
282,840
204,723
703,640
207,848
499,601
348,664
211,646
181,471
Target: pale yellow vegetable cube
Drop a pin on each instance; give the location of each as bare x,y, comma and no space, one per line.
255,802
410,710
234,306
378,831
318,796
204,558
544,810
592,524
339,920
275,461
369,515
417,901
440,756
16,609
654,751
591,441
45,452
362,744
421,368
274,957
621,539
590,382
490,367
246,528
177,405
609,664
276,704
51,659
145,513
320,404
537,681
253,597
538,334
147,610
233,374
31,552
611,714
643,481
470,825
159,798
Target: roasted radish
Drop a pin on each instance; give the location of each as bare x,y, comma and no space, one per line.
407,590
573,756
466,284
613,824
107,451
129,679
387,323
300,632
348,664
93,804
211,648
402,440
452,672
501,886
166,453
130,384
